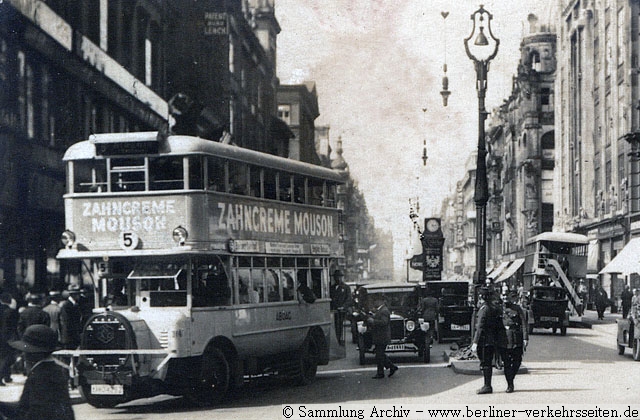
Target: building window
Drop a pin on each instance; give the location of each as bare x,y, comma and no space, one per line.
545,96
284,113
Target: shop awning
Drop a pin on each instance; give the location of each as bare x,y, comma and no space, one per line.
511,270
498,270
627,261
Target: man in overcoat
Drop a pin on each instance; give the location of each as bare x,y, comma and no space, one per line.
380,326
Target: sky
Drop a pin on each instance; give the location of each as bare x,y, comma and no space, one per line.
378,68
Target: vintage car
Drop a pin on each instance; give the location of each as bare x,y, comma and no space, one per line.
454,310
628,336
547,307
409,332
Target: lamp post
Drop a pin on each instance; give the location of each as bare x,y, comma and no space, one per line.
483,50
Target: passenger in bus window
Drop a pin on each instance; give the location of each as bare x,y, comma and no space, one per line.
316,282
273,286
287,287
244,290
305,294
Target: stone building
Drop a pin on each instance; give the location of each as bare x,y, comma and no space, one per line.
521,143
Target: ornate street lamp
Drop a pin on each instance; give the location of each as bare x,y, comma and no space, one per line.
481,52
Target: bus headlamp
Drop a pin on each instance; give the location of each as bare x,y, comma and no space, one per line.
68,238
410,325
180,235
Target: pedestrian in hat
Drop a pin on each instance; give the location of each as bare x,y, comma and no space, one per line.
341,303
71,319
45,395
380,324
32,314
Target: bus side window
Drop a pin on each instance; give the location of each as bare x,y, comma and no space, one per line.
243,286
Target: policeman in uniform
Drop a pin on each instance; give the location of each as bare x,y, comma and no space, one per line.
515,339
488,331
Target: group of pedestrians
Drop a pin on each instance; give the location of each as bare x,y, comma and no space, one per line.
29,334
61,311
500,332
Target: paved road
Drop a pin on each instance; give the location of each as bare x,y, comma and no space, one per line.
581,368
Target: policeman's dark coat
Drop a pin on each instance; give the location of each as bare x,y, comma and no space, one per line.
515,330
489,329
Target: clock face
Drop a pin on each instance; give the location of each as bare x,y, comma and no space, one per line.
432,225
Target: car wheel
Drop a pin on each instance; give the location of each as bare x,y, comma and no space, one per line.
361,349
636,349
620,349
563,330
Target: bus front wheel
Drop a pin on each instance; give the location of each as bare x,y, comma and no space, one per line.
215,378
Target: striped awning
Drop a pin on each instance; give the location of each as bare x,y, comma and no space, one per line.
511,270
498,270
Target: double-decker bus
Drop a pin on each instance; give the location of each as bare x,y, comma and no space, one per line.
197,251
557,259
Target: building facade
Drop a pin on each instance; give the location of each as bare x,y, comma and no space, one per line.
298,108
69,69
597,179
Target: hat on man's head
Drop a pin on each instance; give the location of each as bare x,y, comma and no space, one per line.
338,273
73,289
37,338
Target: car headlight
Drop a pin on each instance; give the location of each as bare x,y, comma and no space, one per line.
410,325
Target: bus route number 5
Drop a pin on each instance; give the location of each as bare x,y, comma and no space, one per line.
128,240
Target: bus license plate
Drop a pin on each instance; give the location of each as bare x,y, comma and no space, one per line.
105,389
392,347
549,318
456,327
